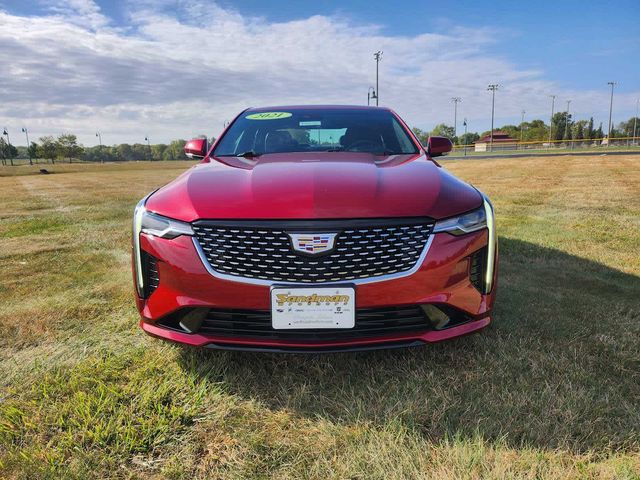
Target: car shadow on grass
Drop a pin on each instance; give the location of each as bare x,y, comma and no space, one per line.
558,368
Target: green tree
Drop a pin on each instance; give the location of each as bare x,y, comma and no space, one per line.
32,151
599,133
589,132
626,128
124,152
468,138
558,124
157,151
443,130
47,148
141,152
511,130
7,152
534,131
578,129
421,134
175,151
67,146
568,128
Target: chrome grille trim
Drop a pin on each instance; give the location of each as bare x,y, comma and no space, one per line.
359,261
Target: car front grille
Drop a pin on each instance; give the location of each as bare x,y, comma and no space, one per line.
370,322
263,251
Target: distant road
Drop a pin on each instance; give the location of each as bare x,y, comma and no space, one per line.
551,154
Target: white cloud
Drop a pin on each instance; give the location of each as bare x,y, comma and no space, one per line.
179,72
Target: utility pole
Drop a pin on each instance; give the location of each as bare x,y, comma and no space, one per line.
613,84
149,148
522,129
99,135
635,121
6,133
566,125
455,101
465,136
24,129
553,104
377,56
493,87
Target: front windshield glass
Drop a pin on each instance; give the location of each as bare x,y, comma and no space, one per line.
315,130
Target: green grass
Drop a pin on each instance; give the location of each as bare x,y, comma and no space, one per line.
550,390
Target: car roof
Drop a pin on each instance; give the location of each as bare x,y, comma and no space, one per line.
314,107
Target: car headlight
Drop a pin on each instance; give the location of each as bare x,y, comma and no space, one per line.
474,221
152,224
492,245
463,224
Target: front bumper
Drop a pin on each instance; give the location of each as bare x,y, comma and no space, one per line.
442,279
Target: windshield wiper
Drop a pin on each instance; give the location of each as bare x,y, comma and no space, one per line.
337,149
249,154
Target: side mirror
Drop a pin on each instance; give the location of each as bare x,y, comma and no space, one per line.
438,146
196,148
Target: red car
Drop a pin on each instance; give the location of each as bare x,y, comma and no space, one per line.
315,228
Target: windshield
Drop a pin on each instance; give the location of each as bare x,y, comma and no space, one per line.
315,130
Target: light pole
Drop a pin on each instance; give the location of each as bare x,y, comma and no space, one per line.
464,122
493,87
377,56
99,135
522,129
6,133
24,129
455,101
610,111
553,104
371,95
567,131
149,148
635,121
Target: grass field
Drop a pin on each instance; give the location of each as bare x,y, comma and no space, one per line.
550,390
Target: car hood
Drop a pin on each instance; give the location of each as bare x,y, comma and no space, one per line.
310,186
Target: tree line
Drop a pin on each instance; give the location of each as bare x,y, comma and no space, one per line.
564,127
65,148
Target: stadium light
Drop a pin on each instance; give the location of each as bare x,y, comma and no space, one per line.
455,101
635,121
99,135
493,87
553,104
149,147
24,129
465,136
6,133
613,84
377,56
566,123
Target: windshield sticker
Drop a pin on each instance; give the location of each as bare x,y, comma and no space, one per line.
311,123
268,116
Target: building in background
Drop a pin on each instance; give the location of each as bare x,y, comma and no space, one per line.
501,141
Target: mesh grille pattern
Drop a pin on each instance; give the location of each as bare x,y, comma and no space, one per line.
362,250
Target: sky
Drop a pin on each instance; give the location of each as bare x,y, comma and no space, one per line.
176,69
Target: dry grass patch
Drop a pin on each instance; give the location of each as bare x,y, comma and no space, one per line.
551,390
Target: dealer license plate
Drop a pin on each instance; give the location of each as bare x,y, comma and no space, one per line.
313,307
